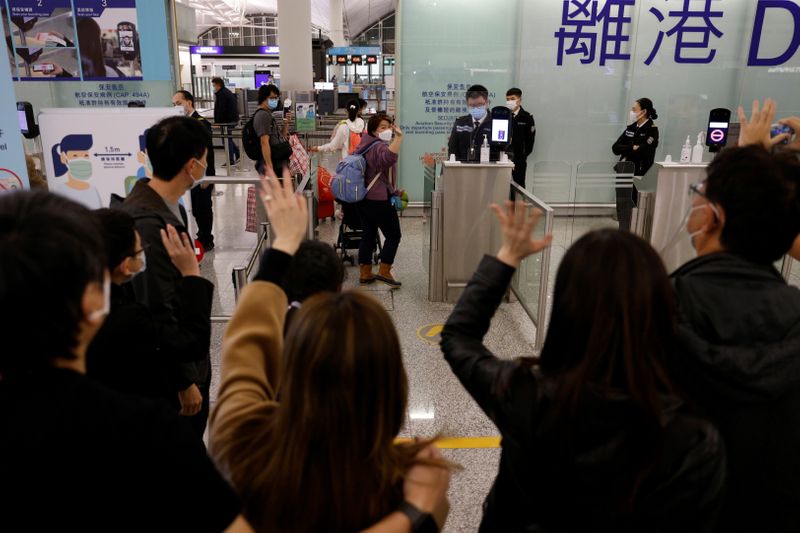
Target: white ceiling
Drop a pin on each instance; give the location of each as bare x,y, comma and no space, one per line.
358,14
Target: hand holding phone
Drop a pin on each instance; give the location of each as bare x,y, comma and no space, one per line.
784,131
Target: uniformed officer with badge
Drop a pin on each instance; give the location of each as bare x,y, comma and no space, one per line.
637,144
468,131
523,135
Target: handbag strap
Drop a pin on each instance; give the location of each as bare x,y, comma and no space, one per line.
369,187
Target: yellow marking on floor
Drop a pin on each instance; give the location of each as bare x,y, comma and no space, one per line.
430,333
465,443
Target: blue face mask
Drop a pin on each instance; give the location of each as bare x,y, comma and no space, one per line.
477,112
272,103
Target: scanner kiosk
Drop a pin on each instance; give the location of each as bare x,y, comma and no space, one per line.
463,227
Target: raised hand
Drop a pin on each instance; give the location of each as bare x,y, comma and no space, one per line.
756,130
287,212
518,227
180,251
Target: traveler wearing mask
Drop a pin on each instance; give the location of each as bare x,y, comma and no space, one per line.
523,135
637,144
347,134
177,149
273,136
133,352
226,111
468,131
202,206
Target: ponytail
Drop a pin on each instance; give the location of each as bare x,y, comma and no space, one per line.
58,167
647,105
352,110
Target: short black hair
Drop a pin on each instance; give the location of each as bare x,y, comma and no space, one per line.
217,81
315,268
476,91
375,122
265,91
172,143
647,105
514,91
119,235
51,250
186,95
754,189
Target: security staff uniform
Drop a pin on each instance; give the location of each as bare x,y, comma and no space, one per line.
523,135
466,138
202,197
645,138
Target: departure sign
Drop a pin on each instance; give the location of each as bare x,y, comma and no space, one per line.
357,60
372,60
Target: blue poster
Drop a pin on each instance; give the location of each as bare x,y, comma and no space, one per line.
13,171
73,40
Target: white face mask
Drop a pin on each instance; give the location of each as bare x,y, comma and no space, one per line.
196,182
512,104
144,265
100,314
633,116
386,135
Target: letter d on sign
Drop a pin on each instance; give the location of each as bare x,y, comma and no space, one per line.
753,60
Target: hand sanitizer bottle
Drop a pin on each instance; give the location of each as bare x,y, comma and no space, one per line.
485,153
686,152
698,150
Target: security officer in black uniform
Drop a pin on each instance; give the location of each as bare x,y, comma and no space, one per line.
637,144
202,206
523,135
468,131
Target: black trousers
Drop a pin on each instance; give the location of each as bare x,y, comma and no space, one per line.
625,206
203,213
200,420
519,173
375,215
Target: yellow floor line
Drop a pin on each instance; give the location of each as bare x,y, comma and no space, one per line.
465,442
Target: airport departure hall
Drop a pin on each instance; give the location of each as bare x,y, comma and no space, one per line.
400,266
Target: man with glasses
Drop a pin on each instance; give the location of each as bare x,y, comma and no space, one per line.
738,360
468,131
132,352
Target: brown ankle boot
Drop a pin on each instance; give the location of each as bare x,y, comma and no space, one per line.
385,275
366,276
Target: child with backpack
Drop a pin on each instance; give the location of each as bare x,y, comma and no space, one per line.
347,134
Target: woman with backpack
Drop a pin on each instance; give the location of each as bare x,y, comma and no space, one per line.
380,146
594,436
348,132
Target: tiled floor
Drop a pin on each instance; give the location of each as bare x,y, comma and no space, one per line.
438,404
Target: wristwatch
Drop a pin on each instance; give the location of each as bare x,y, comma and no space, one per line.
420,522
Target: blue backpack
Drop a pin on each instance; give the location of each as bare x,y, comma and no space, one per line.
349,185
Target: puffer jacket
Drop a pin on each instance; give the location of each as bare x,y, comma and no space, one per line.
739,330
544,486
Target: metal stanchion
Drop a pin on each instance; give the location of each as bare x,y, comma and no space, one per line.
239,281
310,204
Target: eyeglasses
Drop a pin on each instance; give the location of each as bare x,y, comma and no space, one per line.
142,250
698,188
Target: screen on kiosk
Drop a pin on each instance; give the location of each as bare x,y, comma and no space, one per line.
500,131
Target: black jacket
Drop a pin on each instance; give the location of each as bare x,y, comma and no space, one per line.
463,135
226,109
211,170
77,456
136,354
646,138
541,487
157,288
523,136
739,328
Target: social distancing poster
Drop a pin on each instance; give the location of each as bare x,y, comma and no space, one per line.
72,40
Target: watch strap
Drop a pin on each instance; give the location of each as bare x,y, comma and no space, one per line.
421,522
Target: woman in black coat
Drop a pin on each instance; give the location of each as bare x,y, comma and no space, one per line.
594,439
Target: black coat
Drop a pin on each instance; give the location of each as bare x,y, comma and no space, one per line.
739,328
463,135
211,170
157,288
522,137
137,354
226,109
646,138
540,487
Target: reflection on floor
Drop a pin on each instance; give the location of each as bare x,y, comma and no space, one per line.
438,404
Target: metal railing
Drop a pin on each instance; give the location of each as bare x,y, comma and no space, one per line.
241,274
531,282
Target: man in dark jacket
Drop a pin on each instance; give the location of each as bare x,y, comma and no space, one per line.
202,207
523,135
739,332
468,131
177,150
131,352
226,111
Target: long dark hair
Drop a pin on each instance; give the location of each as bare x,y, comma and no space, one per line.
327,461
647,106
89,36
611,326
352,109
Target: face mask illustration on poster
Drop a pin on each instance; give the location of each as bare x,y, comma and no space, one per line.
58,40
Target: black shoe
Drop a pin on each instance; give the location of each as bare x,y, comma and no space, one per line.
208,246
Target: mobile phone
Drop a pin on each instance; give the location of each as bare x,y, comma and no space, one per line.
501,125
27,122
44,67
719,121
126,36
777,129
